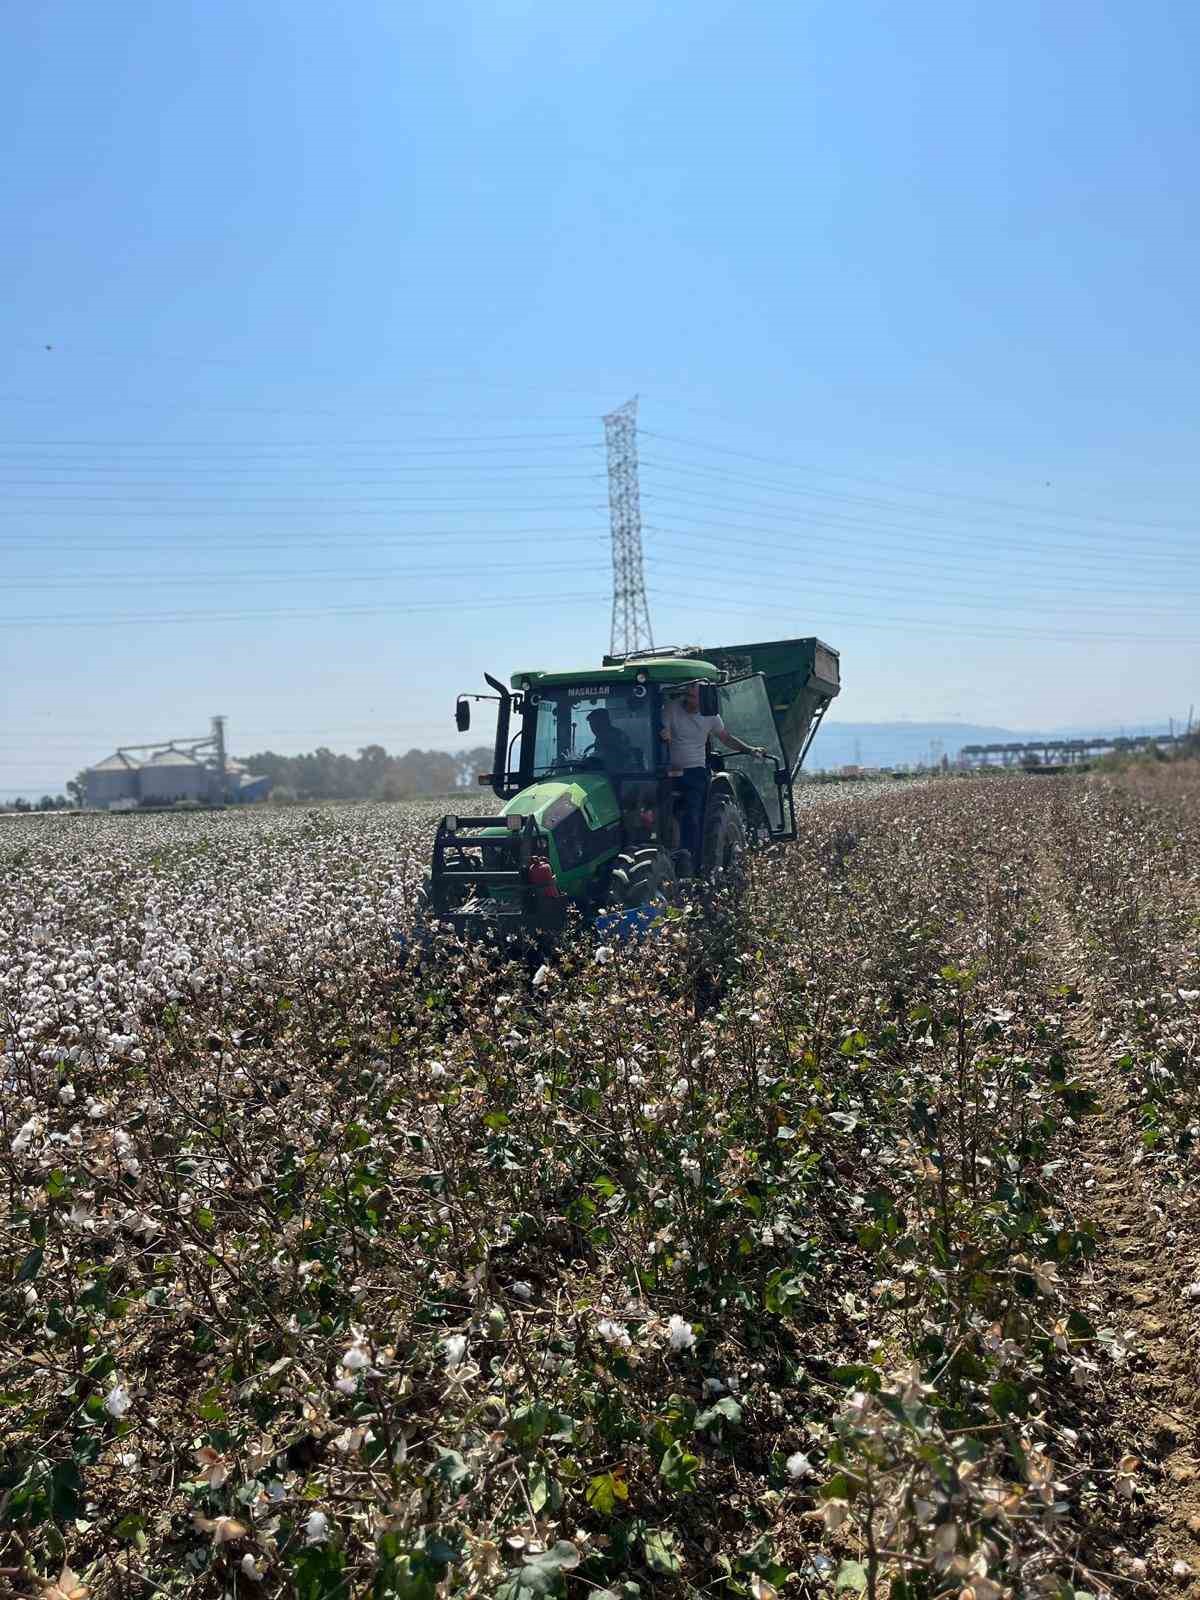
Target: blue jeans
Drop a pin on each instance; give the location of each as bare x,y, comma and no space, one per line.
692,787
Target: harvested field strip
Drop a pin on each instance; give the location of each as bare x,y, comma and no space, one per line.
758,1257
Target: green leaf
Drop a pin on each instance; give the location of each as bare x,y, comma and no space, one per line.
452,1469
541,1486
725,1410
1007,1399
851,1576
840,1487
678,1469
542,1574
31,1265
317,1573
604,1492
660,1552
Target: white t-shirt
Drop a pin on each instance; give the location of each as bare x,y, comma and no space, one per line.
688,731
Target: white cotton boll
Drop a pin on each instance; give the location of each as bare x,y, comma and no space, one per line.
522,1290
356,1358
316,1529
541,977
252,1569
346,1385
614,1333
66,1094
25,1135
117,1401
31,1298
603,955
680,1333
799,1466
454,1350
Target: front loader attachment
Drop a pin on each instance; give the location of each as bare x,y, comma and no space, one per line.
488,876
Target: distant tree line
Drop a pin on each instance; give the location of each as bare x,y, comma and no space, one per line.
371,775
48,802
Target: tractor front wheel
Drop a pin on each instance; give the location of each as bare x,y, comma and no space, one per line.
640,876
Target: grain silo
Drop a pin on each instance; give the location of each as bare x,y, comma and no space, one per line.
173,775
111,780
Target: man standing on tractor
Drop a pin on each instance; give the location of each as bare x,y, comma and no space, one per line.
687,730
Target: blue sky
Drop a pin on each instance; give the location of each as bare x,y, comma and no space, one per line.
335,296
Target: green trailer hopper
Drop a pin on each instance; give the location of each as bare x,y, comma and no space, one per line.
801,676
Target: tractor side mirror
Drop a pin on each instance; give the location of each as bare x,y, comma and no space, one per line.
462,715
710,701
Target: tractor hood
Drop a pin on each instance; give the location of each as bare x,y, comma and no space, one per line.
554,799
580,817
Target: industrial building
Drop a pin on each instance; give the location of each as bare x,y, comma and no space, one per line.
180,771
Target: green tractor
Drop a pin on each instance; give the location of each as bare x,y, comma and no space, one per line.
588,821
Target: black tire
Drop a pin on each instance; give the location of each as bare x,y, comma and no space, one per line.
640,876
724,851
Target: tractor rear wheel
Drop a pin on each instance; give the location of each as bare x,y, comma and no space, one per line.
724,839
639,876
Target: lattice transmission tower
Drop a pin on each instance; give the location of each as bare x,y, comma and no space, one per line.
630,612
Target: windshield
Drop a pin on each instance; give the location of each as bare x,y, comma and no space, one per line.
603,728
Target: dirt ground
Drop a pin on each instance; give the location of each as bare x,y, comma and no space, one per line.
1147,1259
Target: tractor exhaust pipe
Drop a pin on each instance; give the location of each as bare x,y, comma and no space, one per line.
500,754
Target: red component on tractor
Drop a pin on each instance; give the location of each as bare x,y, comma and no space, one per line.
541,877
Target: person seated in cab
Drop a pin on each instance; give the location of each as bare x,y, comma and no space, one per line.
686,731
613,749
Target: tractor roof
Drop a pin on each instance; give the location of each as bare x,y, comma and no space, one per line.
648,668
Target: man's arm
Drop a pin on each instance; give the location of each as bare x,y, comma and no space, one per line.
734,743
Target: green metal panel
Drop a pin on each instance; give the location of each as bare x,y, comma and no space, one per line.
802,677
746,712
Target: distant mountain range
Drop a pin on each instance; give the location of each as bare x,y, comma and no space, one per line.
909,744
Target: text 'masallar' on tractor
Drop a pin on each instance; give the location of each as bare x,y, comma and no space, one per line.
588,816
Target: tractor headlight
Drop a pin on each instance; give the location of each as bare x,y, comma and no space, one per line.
514,823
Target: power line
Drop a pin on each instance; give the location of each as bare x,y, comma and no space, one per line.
773,510
418,508
878,560
969,599
580,440
819,581
931,539
944,494
972,519
998,632
323,541
276,576
143,618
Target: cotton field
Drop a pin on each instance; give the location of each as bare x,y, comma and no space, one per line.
837,1241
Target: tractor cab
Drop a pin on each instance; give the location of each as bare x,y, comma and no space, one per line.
588,817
